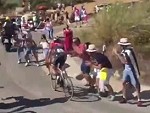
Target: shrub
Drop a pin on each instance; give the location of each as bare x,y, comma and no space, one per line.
120,20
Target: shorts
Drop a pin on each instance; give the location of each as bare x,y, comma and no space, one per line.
77,18
60,61
45,52
30,50
27,51
84,68
110,73
129,75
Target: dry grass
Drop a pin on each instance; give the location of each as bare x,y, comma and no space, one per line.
121,21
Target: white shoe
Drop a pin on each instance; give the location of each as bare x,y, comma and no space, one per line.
28,61
26,64
37,65
19,62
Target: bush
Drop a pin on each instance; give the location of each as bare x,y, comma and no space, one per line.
120,20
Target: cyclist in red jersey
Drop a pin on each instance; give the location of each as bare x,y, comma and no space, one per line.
57,55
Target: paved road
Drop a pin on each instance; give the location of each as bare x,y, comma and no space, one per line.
27,90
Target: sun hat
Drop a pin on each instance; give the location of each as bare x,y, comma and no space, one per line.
124,41
91,48
7,18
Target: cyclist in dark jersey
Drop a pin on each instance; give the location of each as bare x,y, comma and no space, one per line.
57,54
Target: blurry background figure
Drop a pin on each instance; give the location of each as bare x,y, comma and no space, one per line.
34,20
49,28
77,17
68,34
83,14
67,17
97,9
45,46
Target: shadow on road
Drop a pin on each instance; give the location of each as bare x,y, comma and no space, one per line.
145,96
84,95
23,103
27,112
1,87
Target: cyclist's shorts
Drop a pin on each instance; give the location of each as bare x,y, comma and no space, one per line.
60,61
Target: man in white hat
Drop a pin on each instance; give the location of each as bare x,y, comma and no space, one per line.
131,70
98,62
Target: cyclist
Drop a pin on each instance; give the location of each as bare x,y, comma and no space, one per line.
57,55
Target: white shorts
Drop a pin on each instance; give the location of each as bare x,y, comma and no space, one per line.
77,18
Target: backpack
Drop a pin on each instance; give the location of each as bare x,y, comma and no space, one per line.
8,28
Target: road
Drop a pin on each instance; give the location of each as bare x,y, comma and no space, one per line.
27,90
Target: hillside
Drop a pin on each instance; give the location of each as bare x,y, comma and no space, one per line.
13,1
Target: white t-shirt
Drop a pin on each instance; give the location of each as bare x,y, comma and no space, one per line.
45,45
48,25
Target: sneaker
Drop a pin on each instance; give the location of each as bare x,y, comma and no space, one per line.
19,62
28,61
123,101
26,64
37,64
103,94
139,103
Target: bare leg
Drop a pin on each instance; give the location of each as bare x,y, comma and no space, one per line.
36,57
97,85
48,66
87,78
93,81
138,89
124,90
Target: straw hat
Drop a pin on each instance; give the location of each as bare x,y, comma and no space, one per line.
7,18
91,48
124,41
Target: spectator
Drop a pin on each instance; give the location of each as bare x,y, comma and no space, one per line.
80,50
68,34
99,62
67,18
77,17
30,47
46,50
49,28
131,71
84,16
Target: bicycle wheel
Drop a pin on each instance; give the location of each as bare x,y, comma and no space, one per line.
53,81
68,87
